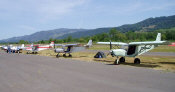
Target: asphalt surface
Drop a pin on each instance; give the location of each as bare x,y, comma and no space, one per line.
32,73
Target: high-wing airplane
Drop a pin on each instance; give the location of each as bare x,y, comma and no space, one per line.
172,44
134,49
12,48
4,47
17,49
71,48
35,48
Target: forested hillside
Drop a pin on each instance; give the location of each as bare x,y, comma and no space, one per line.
140,29
149,24
115,35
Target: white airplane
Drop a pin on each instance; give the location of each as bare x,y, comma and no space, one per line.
71,48
4,47
35,48
12,48
17,49
134,49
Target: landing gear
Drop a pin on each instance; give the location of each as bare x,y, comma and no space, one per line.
136,61
34,52
57,56
70,55
18,51
122,60
116,62
64,55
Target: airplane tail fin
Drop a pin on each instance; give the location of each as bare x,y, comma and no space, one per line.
52,44
22,46
31,45
89,44
158,37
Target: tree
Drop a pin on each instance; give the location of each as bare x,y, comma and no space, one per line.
69,39
23,42
112,33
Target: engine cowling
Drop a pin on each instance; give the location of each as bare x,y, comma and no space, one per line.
118,52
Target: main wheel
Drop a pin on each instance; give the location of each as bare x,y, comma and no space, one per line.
70,55
64,55
57,56
122,60
137,61
116,62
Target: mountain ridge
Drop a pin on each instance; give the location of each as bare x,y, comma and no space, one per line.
146,25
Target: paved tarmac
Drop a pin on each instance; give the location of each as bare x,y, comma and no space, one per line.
32,73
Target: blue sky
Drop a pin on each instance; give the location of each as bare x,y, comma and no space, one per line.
23,17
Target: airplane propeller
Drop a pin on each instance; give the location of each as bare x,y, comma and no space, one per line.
110,52
110,45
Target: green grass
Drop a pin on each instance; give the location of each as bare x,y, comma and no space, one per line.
162,48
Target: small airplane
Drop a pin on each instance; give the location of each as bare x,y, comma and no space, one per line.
71,48
14,49
4,47
17,49
35,48
172,44
134,49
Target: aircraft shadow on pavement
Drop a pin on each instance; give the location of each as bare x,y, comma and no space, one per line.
102,60
142,65
167,63
139,65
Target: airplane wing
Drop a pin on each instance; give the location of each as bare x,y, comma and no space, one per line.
78,49
71,45
66,45
59,44
148,43
113,43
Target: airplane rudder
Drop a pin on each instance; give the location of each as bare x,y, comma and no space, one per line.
158,37
90,43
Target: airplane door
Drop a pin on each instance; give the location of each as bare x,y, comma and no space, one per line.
131,49
69,48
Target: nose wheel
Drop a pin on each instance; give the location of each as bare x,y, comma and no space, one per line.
57,56
122,60
118,61
136,61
